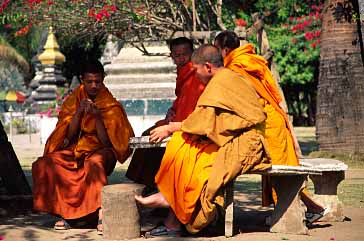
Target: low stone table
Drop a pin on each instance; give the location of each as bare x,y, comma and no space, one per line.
120,213
333,172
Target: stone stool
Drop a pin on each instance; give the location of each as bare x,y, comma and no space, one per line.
333,172
120,214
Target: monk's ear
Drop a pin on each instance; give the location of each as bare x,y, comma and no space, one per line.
208,67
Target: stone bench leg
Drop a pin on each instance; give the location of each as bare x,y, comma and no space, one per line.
326,194
288,215
120,214
229,209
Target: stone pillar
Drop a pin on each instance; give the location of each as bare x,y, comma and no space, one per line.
326,194
51,60
120,213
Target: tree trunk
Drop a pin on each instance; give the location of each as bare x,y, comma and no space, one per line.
340,104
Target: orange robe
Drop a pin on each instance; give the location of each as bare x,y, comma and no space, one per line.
278,132
188,90
68,181
220,139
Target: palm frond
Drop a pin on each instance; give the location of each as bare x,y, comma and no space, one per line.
9,54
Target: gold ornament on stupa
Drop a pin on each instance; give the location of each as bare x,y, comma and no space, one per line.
51,54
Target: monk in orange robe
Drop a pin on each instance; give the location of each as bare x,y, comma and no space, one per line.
145,162
92,133
279,135
221,139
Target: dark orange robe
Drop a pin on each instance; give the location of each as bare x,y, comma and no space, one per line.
68,181
188,90
145,162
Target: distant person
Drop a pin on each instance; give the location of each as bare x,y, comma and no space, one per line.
92,133
279,133
145,163
221,139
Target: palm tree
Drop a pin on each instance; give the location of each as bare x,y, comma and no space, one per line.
340,106
10,55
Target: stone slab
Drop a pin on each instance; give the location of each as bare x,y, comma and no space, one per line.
324,164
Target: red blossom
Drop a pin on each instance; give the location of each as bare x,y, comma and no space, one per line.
240,22
309,36
314,45
4,4
91,12
7,25
104,12
23,31
49,3
113,8
98,17
318,33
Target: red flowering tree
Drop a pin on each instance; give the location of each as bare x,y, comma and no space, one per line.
297,46
126,19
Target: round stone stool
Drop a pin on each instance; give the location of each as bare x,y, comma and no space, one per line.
120,214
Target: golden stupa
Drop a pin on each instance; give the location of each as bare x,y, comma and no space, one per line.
51,54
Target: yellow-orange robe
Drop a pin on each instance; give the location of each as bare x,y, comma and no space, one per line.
278,133
220,139
68,181
145,163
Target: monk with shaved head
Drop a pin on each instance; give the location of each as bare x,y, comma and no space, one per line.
219,140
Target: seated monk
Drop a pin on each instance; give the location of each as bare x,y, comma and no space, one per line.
279,135
220,139
92,132
145,162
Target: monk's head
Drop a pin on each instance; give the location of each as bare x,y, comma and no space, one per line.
181,50
207,60
227,41
92,77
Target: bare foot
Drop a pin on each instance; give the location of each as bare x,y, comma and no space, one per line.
99,223
153,201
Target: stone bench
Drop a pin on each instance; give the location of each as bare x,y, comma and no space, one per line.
288,215
325,185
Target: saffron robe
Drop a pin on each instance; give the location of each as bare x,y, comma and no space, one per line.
68,181
221,139
278,133
145,162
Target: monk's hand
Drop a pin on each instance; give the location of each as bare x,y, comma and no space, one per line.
84,107
95,112
159,134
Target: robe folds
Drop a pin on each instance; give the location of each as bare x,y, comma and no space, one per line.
68,181
221,139
278,132
145,162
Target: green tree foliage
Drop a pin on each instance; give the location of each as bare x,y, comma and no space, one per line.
293,29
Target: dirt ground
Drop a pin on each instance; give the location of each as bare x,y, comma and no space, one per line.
249,215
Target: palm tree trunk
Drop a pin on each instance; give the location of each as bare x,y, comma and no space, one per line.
340,104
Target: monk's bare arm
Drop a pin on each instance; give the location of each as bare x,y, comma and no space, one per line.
160,133
74,127
101,132
100,127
